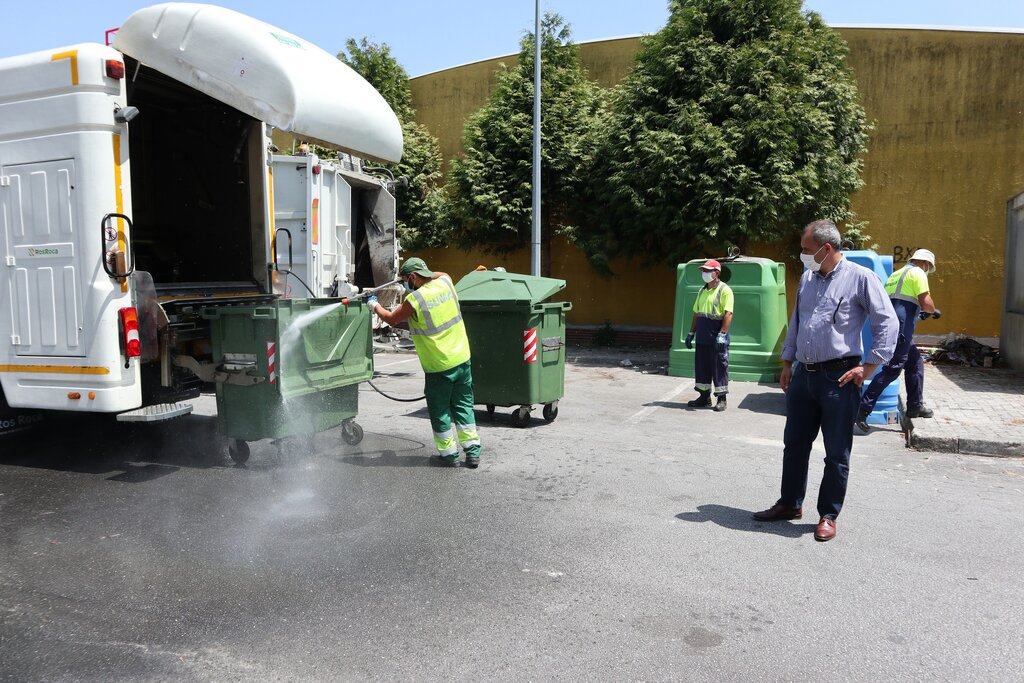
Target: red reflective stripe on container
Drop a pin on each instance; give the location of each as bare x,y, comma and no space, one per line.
272,361
530,346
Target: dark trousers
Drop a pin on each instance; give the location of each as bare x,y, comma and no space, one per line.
815,402
907,359
711,366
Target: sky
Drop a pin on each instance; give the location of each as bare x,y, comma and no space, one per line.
429,36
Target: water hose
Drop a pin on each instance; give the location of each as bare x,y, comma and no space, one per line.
395,398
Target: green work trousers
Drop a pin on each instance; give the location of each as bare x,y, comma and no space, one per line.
450,404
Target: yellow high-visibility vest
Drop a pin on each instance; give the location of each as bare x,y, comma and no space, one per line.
907,284
714,303
436,326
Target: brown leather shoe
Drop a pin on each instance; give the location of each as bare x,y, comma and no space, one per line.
777,512
826,530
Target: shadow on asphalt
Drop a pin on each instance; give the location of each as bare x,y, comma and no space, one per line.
134,453
767,404
741,520
674,405
387,458
502,418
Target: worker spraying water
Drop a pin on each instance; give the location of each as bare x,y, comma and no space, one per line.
431,308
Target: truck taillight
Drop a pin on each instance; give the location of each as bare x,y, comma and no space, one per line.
130,333
115,68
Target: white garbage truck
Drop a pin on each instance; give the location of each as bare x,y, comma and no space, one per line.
139,184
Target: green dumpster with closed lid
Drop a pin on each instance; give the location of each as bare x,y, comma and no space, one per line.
517,341
289,367
759,322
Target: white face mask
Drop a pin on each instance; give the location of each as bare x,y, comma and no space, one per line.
707,275
809,261
407,286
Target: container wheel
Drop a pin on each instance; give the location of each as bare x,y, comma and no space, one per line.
521,416
238,450
490,411
351,433
551,411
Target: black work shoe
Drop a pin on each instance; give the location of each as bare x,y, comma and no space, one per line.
920,411
703,401
721,405
472,463
438,461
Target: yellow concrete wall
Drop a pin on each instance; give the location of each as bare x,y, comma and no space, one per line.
945,157
946,154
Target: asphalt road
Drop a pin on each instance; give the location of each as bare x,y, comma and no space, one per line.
613,544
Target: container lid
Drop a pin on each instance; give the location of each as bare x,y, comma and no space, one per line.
265,72
491,287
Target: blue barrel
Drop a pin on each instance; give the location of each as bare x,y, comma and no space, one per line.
887,408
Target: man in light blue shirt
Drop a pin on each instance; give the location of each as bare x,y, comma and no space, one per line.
834,299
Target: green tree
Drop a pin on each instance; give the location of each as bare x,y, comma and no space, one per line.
740,121
422,209
493,179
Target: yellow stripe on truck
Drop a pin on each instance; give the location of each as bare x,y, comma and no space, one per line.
73,56
119,202
270,203
57,369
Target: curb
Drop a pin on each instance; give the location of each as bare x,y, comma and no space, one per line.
955,444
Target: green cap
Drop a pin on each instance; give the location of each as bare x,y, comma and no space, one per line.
415,265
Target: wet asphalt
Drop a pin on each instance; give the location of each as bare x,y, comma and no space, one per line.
614,543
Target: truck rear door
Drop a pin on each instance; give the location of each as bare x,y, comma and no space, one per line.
44,276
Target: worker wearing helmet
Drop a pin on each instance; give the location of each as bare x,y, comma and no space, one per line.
435,321
909,292
712,317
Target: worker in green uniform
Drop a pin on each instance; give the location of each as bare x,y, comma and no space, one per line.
712,317
435,321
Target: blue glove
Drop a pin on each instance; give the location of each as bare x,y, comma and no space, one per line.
371,303
721,341
924,315
937,314
689,341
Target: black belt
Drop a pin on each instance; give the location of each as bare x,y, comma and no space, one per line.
834,364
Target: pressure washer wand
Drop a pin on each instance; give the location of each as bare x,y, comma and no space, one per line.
373,290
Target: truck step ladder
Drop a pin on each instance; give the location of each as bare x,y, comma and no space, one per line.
156,413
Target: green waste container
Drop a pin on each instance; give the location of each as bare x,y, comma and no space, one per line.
759,320
517,340
289,367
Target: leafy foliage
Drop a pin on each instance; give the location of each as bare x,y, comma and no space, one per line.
421,205
739,122
493,181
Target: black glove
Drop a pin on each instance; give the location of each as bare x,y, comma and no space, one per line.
689,341
923,315
937,314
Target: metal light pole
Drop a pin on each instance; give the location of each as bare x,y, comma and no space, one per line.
535,240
